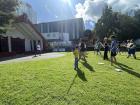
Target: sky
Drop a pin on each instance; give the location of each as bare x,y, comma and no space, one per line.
89,10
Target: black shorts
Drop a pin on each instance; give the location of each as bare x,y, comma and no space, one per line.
113,54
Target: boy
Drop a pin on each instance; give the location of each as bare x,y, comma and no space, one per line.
132,49
98,46
113,50
76,55
82,51
106,49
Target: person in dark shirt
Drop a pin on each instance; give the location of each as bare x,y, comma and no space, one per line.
106,49
113,49
82,51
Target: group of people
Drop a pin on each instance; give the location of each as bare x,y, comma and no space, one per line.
114,48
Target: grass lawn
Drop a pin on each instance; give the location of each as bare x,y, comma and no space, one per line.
54,82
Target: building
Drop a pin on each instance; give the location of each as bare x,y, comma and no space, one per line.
73,27
23,36
58,41
61,34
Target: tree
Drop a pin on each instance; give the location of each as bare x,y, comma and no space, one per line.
123,26
88,33
137,22
108,23
7,8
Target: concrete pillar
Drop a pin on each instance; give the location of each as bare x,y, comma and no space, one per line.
36,42
41,28
32,45
9,44
27,45
48,28
77,30
41,44
73,26
61,27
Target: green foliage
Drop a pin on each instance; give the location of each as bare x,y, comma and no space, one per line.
88,33
7,8
124,26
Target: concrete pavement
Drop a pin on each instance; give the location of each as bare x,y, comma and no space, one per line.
32,57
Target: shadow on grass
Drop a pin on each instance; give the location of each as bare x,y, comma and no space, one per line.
73,81
137,58
128,69
81,75
88,66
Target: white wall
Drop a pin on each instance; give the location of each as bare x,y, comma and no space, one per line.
49,36
66,37
27,45
56,35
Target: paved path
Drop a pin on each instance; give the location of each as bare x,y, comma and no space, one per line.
29,58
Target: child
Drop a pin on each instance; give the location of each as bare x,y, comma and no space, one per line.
106,49
132,49
82,51
76,55
113,50
98,47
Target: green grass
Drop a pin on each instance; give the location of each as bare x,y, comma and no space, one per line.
54,82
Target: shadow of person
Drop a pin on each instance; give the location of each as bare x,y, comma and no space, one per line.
137,58
73,81
128,69
81,75
88,66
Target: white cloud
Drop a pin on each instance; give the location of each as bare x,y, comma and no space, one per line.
92,9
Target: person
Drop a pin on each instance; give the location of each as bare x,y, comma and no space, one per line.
106,49
98,45
76,55
82,51
128,47
38,50
132,49
113,50
119,47
85,52
123,45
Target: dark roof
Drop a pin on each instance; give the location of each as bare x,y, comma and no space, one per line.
24,18
75,19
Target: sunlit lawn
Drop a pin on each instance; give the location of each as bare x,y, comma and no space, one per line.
54,82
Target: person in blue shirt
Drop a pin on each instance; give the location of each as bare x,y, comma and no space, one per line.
132,49
113,50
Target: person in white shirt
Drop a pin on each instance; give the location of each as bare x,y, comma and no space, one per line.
38,49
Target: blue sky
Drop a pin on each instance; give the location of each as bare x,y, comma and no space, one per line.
89,10
53,10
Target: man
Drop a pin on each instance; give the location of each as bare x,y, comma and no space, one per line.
113,50
82,51
38,50
98,46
